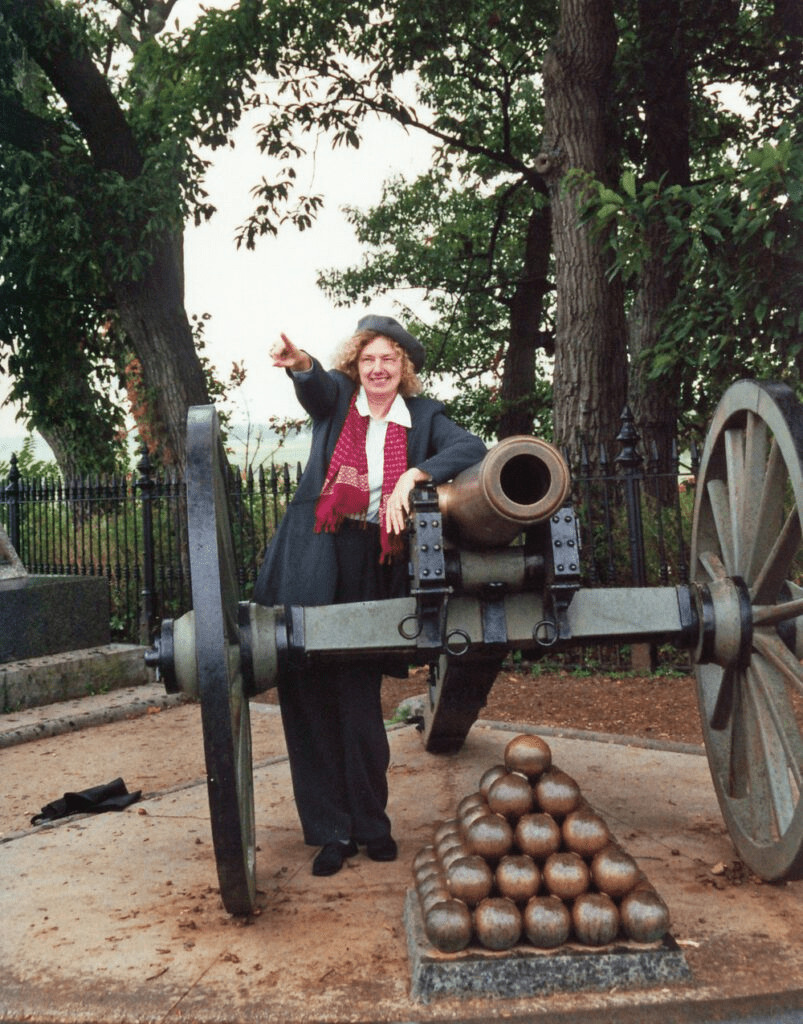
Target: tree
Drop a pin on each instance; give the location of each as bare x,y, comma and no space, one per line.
590,354
104,153
655,135
461,249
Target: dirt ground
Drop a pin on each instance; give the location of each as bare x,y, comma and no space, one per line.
662,707
653,707
736,933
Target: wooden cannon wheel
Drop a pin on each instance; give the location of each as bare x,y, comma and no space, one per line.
225,715
747,529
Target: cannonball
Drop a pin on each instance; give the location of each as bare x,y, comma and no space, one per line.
529,755
470,879
566,875
547,922
432,884
645,916
451,825
448,842
454,853
585,832
595,919
426,855
557,793
537,835
472,800
427,870
489,776
448,926
490,836
614,871
433,898
497,922
518,877
470,816
511,796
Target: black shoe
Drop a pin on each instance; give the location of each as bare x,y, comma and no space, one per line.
383,848
330,859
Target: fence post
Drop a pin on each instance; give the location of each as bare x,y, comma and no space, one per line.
12,499
146,484
631,461
643,657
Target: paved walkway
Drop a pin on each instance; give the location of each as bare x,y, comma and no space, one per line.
117,918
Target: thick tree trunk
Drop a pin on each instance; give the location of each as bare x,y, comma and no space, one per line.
590,356
526,316
82,443
666,109
152,312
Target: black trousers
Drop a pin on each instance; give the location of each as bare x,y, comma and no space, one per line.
332,714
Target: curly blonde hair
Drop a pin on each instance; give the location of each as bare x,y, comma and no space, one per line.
347,358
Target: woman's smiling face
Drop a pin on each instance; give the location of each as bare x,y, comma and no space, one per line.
380,369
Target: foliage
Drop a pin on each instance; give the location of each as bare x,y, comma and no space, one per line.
739,312
461,251
736,308
100,123
27,464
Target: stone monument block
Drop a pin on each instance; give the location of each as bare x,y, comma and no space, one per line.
42,615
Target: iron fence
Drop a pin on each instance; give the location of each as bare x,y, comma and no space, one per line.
634,514
132,530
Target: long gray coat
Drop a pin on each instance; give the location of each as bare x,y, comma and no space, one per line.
300,567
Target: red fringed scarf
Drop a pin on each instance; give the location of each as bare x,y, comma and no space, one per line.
345,490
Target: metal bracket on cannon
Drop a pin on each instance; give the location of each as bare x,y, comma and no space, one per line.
563,578
427,571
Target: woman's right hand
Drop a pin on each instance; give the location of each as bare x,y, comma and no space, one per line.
286,356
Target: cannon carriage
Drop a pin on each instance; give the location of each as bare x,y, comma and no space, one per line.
495,567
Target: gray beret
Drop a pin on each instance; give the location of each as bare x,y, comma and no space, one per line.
393,329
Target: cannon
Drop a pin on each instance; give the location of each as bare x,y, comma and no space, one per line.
495,566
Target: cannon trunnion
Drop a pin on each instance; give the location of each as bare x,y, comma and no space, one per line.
495,567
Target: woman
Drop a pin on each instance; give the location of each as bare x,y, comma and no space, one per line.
341,540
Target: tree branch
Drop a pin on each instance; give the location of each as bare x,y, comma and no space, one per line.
23,130
50,41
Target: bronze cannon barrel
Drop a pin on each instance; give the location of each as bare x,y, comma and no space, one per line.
520,482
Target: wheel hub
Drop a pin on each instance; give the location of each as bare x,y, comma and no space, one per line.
726,623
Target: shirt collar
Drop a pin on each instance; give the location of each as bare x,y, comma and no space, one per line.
398,412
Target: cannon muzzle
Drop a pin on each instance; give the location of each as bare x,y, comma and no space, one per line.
520,482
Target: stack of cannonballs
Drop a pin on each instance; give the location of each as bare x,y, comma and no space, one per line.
527,859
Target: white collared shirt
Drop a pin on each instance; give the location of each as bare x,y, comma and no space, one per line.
375,445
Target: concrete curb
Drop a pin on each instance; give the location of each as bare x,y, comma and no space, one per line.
64,723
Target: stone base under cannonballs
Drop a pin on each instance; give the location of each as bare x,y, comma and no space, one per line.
526,971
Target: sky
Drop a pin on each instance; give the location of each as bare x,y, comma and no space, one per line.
253,296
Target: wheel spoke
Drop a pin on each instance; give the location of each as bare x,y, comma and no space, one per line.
771,647
776,568
769,516
773,614
712,565
748,782
734,460
754,470
780,766
720,510
723,708
775,695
